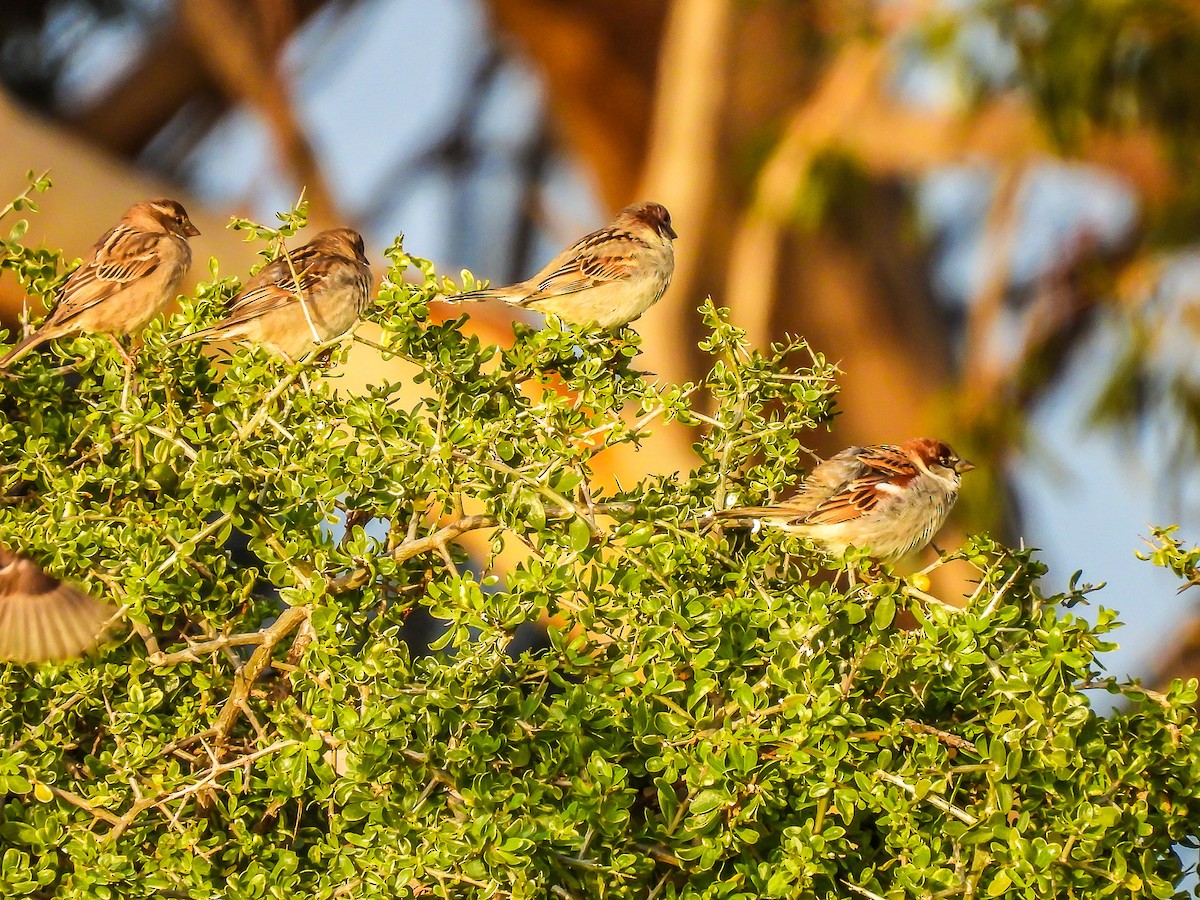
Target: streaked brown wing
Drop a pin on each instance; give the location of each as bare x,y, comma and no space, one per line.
850,487
279,283
121,257
856,501
891,460
604,256
41,617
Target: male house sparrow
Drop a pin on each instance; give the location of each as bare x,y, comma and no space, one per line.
42,618
887,499
307,296
127,279
606,279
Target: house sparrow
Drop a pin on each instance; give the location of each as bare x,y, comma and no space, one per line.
606,279
130,275
334,288
42,618
887,499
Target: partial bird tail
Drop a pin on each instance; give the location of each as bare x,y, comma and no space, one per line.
204,334
50,625
477,296
749,512
23,347
751,517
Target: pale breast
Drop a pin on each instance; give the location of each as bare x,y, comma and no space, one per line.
332,313
911,519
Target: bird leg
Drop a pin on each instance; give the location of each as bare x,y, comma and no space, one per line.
129,360
324,358
872,574
130,376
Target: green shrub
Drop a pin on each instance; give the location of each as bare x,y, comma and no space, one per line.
708,721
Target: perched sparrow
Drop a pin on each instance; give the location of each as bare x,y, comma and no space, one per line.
887,499
606,279
272,309
42,618
130,275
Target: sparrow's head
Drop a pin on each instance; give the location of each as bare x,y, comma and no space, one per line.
163,215
341,242
650,215
938,457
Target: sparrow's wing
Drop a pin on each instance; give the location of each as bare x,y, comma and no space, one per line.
827,480
41,617
122,256
853,483
283,281
604,256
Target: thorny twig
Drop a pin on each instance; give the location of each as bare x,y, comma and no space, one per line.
932,799
193,651
289,620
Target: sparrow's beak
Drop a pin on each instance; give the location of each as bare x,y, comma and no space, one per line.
190,230
963,465
671,233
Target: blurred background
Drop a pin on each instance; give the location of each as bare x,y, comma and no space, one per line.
986,211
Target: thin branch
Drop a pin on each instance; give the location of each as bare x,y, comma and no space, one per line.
909,591
1126,689
289,620
932,799
415,547
184,447
946,737
999,595
76,800
862,891
193,651
545,490
265,406
218,769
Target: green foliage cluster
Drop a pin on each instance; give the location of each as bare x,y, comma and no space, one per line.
710,719
1120,66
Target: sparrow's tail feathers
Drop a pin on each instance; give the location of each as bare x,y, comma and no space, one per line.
213,332
479,296
54,625
23,347
752,512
